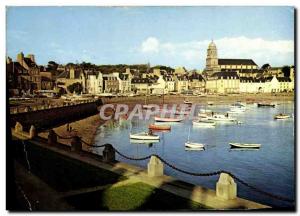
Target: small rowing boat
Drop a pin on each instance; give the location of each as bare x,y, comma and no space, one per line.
194,145
144,136
244,145
281,116
159,127
187,102
135,141
265,105
160,119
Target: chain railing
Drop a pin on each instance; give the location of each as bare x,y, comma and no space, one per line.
188,172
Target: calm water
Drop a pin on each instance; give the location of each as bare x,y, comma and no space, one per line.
270,168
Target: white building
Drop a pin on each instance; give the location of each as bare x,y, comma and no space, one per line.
170,84
159,87
181,84
94,83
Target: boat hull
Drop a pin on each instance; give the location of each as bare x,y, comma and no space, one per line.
194,145
159,127
143,136
158,119
244,145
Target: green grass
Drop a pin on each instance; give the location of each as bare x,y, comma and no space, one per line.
132,197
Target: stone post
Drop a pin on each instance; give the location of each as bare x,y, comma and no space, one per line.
18,127
155,167
32,132
76,145
226,187
52,137
109,153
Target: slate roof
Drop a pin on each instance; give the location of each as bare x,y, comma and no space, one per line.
66,74
284,79
141,80
236,62
196,76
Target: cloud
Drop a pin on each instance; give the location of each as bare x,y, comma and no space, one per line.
193,53
150,45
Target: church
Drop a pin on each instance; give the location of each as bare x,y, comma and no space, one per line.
243,67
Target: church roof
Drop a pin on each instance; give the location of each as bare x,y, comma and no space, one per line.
236,62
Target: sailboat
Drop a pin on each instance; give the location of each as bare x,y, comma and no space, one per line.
282,115
194,145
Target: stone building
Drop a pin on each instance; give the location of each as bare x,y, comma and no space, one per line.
181,83
111,82
211,60
223,82
70,76
142,85
196,82
94,82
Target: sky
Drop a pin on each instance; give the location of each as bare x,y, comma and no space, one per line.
171,36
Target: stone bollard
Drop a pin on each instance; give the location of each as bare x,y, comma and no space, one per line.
18,127
76,145
226,187
109,153
32,132
52,137
155,167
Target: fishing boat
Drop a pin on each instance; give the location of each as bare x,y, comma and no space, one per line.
187,102
281,116
144,136
244,145
265,105
221,118
160,119
194,145
236,110
204,123
159,127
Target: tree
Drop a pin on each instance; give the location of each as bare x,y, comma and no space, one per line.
75,87
265,66
52,66
286,71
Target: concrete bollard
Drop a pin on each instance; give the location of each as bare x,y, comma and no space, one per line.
76,145
109,153
155,167
52,137
18,127
32,132
226,187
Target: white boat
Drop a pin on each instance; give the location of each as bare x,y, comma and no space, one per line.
221,118
204,123
160,119
236,110
194,145
205,111
187,102
281,116
136,141
244,145
144,136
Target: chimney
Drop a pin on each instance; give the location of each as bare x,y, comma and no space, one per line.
8,60
72,73
20,58
31,56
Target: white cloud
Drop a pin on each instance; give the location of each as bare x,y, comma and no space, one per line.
150,45
193,53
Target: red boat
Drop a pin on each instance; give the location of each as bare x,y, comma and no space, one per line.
159,127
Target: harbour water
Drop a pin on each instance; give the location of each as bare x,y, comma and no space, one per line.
270,168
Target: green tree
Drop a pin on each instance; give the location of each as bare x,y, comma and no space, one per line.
75,87
286,71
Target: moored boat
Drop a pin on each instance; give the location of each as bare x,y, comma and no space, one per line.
194,145
137,141
144,136
265,105
221,118
187,102
159,127
204,123
161,119
244,145
281,116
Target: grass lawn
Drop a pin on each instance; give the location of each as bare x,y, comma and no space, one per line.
132,197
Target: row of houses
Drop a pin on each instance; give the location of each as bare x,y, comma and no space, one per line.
226,76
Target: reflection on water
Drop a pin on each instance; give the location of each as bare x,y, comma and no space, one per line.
270,168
